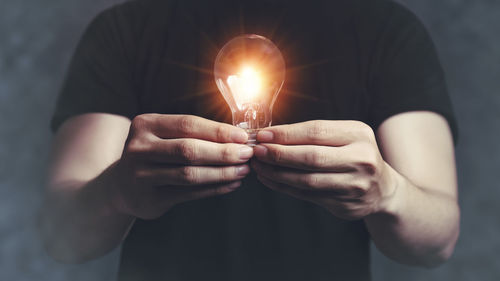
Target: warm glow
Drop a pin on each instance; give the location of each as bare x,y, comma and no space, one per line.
251,82
249,71
246,85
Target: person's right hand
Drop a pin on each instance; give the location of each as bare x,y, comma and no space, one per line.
169,159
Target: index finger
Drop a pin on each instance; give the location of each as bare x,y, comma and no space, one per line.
317,132
190,126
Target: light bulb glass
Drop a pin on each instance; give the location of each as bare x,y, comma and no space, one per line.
249,72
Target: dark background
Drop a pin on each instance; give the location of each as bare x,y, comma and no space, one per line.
37,39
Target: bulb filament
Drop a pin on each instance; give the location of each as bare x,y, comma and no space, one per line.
251,120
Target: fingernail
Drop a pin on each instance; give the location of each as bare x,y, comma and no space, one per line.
239,136
243,170
246,152
260,151
234,185
265,136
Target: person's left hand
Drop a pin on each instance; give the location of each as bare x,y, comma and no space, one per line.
335,164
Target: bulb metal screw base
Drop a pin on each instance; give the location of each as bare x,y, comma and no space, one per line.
252,137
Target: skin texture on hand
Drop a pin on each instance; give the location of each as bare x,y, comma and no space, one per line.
169,159
335,164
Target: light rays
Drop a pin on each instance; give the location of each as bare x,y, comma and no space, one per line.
207,86
305,66
212,90
292,93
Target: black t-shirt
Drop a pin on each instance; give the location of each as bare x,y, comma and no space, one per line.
346,59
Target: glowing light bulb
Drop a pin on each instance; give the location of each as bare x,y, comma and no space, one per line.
249,72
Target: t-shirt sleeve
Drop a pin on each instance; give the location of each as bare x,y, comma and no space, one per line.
406,74
99,78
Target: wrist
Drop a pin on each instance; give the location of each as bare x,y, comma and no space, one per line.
393,193
115,205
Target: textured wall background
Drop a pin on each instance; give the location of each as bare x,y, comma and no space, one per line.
38,37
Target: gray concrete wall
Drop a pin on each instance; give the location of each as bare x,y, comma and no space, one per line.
38,37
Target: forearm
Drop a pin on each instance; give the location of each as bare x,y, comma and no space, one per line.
78,221
418,226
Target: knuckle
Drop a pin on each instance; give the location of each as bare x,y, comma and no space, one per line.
317,130
187,124
137,146
312,180
281,135
369,160
316,159
222,133
141,122
187,150
138,122
365,185
365,131
219,190
357,192
276,155
228,173
227,153
368,168
361,187
189,175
